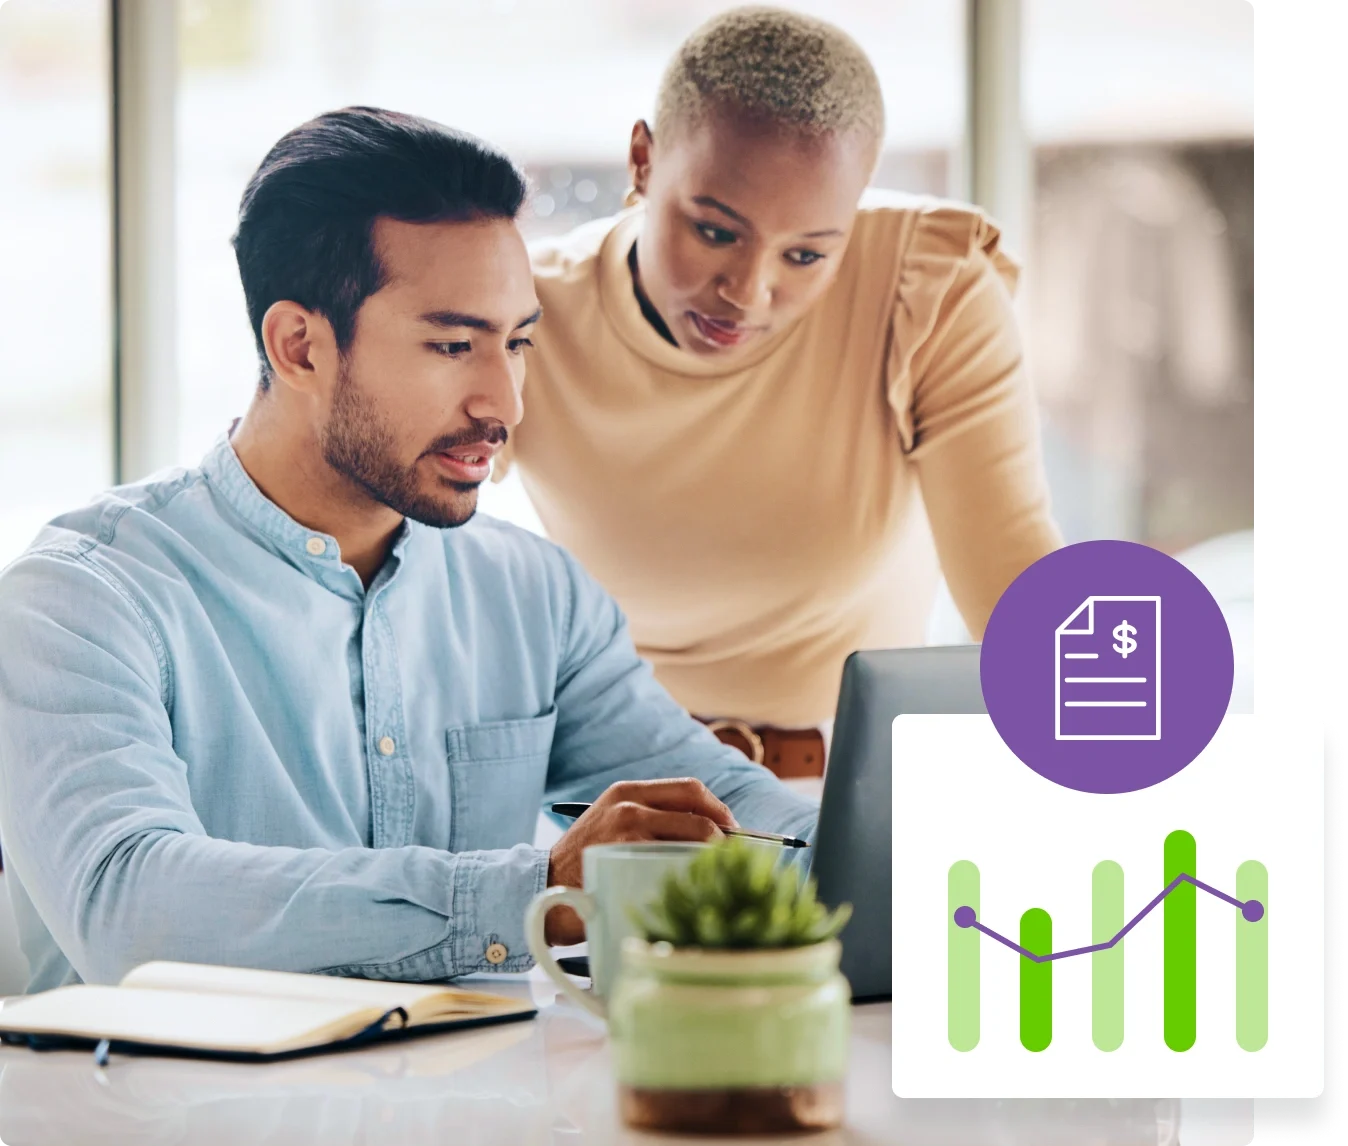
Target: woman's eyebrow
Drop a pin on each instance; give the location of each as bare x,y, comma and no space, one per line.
717,205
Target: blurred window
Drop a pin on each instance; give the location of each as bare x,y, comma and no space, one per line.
1140,280
56,251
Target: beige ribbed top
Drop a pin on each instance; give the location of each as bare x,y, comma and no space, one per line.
759,523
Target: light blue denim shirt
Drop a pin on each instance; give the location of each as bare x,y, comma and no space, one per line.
217,746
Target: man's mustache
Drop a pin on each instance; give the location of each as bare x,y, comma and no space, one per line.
479,430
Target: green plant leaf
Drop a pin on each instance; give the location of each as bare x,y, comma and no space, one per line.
777,928
738,894
746,927
711,927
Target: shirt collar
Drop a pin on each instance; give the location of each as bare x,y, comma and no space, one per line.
306,549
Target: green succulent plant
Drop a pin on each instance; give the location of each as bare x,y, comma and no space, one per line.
734,894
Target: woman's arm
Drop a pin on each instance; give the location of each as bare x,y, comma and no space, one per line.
975,436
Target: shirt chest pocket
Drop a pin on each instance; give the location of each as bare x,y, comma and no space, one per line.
497,774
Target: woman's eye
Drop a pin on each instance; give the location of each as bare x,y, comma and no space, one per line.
803,258
450,349
518,344
714,234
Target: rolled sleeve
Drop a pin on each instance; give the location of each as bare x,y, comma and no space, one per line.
490,899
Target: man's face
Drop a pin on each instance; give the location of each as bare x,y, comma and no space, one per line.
745,228
430,386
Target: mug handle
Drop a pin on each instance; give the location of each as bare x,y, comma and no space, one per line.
586,907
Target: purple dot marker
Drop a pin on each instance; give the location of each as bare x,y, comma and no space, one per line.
1251,909
965,916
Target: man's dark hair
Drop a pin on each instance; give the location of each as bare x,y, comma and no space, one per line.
306,220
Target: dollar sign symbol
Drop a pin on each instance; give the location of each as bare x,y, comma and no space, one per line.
1123,634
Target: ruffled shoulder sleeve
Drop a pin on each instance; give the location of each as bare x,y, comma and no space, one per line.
954,260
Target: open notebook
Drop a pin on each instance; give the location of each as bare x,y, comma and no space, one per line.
231,1012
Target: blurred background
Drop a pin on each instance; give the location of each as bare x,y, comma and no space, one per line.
1121,133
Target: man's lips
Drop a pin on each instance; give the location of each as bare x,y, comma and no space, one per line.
721,331
469,463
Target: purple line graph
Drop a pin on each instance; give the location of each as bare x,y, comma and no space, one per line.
1251,909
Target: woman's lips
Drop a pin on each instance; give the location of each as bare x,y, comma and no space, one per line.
719,331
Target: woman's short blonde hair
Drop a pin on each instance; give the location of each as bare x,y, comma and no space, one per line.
776,67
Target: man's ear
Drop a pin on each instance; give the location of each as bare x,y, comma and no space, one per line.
639,153
300,345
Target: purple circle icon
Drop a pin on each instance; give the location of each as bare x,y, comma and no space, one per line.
1107,666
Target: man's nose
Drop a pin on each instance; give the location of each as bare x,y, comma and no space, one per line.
748,286
496,394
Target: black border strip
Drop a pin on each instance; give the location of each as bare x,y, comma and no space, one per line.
365,1038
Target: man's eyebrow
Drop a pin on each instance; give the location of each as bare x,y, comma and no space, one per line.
717,205
457,318
449,318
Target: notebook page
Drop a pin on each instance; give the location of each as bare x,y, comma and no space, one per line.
181,1019
421,1003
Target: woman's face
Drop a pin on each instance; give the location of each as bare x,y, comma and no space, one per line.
745,227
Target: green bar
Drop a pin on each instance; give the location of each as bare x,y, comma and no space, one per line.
1181,944
1036,981
1252,959
1107,966
962,974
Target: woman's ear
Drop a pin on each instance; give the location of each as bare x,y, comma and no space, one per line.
639,152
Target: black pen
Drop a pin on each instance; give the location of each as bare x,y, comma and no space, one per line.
575,811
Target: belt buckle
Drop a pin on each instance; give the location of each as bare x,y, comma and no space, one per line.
751,738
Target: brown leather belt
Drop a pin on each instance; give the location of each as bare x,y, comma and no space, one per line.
787,752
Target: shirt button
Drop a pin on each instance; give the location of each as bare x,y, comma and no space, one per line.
316,546
496,954
386,746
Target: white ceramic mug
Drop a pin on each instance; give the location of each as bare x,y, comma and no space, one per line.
618,878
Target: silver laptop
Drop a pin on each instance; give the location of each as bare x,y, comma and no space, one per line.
852,852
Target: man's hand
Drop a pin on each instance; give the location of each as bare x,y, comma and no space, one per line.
629,811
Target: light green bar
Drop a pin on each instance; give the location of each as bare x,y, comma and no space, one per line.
1252,959
962,974
1107,966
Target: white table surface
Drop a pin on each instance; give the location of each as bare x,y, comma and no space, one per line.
545,1081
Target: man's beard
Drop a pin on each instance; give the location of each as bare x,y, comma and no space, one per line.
357,444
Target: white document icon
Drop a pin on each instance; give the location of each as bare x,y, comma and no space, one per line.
1108,684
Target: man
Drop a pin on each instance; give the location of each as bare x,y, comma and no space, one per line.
296,708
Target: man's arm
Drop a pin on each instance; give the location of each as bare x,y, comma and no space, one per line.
616,722
99,826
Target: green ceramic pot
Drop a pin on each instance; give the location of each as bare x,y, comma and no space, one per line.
730,1041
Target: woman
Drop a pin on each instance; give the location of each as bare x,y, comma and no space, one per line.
751,391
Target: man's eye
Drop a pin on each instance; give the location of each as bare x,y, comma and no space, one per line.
450,349
518,344
803,258
714,234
